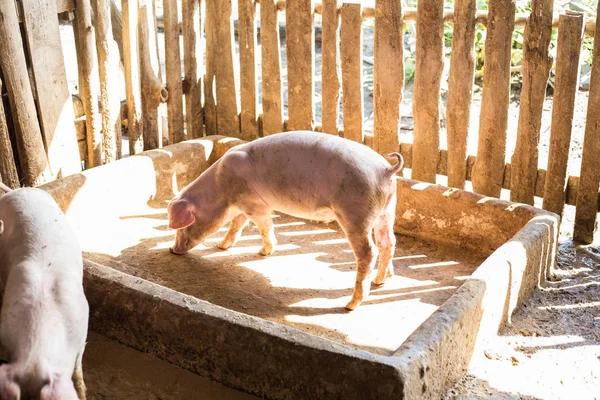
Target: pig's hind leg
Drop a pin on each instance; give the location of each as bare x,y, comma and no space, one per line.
234,232
386,241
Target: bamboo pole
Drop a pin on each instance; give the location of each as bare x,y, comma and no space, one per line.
491,151
460,90
352,87
132,78
192,58
587,195
570,36
330,81
300,44
388,74
108,68
272,121
247,45
426,90
8,169
89,86
34,162
536,70
152,92
210,102
173,72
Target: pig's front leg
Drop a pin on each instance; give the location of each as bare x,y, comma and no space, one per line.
234,232
264,223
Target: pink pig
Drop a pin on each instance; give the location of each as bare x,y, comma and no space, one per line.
304,174
44,317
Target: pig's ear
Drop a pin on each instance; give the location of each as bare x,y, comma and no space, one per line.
181,214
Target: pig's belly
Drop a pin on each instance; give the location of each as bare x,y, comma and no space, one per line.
325,214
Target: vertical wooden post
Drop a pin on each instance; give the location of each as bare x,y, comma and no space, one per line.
460,90
330,77
152,91
89,86
587,194
536,70
271,69
488,171
300,44
570,36
247,44
173,67
193,58
8,169
108,68
32,156
212,46
426,90
352,87
55,103
388,74
132,78
228,109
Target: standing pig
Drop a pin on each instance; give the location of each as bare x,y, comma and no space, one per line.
44,317
307,175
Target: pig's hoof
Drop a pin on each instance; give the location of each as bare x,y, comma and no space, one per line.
266,251
352,304
224,245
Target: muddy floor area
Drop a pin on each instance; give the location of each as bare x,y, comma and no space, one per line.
305,284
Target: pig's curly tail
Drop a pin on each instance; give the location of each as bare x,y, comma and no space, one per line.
398,167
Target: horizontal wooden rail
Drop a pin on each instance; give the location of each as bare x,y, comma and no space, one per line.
61,6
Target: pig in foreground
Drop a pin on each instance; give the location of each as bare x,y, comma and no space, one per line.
44,317
307,175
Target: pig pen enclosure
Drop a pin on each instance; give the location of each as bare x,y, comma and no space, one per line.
155,101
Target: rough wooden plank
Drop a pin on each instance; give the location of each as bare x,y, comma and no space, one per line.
272,109
8,168
426,90
89,86
193,58
228,109
173,73
460,90
330,81
32,156
535,72
587,195
570,36
151,88
388,74
210,96
488,171
132,78
300,46
108,69
352,87
247,45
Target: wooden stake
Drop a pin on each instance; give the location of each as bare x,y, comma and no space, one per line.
352,87
152,91
33,159
193,57
570,36
210,95
108,68
271,69
8,169
488,170
300,43
426,90
89,86
460,90
330,82
587,195
228,109
536,70
247,41
173,67
132,78
388,75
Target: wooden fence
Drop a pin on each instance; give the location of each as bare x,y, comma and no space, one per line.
38,136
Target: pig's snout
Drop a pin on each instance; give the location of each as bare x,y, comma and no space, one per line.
177,251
